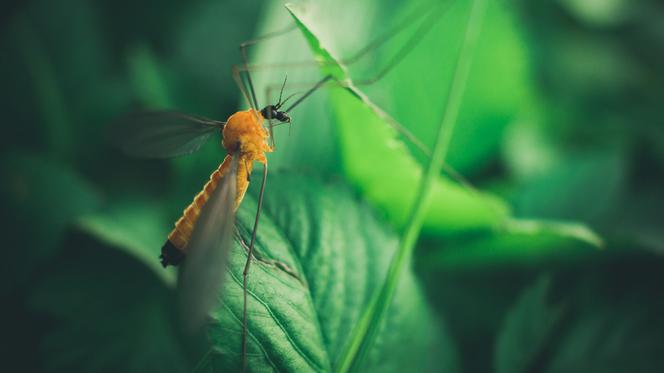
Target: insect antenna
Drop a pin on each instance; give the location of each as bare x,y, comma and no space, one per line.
240,82
432,16
269,114
281,93
247,75
245,60
285,101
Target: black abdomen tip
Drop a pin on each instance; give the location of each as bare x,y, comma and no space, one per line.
170,255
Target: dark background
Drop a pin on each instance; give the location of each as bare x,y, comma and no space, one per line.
562,120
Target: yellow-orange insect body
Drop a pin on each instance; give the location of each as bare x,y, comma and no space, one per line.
243,134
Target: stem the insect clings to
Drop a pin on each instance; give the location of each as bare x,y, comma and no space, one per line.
369,325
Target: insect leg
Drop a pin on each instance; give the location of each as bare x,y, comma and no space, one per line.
400,128
245,58
248,265
311,89
237,76
388,118
426,25
432,15
270,124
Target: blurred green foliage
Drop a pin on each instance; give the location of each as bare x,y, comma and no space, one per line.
560,129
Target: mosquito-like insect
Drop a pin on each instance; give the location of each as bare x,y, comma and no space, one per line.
202,236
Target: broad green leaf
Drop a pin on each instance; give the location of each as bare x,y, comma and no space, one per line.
323,56
498,88
377,163
40,198
322,255
381,167
415,89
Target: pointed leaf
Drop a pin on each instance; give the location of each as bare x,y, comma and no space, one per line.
380,165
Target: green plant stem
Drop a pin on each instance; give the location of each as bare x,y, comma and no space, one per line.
364,335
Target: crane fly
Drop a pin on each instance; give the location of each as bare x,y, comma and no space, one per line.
203,234
244,138
204,223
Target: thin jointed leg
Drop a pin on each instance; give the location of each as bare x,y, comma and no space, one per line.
246,269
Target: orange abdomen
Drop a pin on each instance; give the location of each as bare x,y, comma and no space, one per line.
175,248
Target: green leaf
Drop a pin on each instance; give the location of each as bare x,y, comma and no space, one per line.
41,198
322,255
498,87
562,230
413,91
328,63
383,169
521,242
380,165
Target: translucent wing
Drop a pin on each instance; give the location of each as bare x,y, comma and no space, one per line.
207,253
162,134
